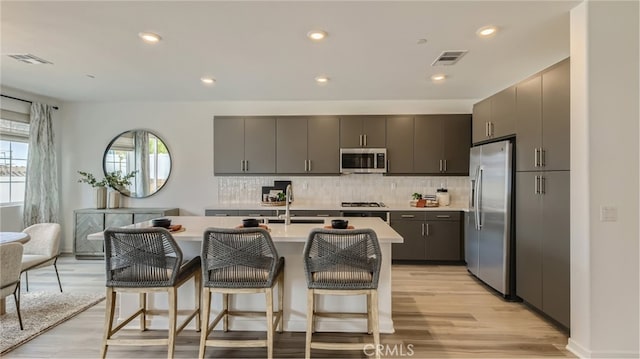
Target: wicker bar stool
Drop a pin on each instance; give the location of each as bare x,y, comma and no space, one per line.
147,260
342,262
239,261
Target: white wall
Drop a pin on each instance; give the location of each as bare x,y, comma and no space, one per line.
187,128
605,173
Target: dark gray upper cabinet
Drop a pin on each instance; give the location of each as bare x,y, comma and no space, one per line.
244,145
362,131
400,147
441,144
456,132
291,146
260,144
428,144
529,123
556,117
308,145
228,153
503,113
542,120
323,145
481,119
494,117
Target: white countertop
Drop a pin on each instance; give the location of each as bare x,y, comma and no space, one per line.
310,206
297,232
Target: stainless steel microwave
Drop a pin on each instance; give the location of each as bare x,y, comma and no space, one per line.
363,160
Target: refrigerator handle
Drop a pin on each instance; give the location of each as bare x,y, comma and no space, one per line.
479,199
473,194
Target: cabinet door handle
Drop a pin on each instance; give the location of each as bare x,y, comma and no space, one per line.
407,216
221,215
423,229
305,165
440,165
542,185
542,157
365,140
445,165
486,129
443,216
491,129
536,185
427,229
322,215
246,165
309,165
241,165
535,157
360,140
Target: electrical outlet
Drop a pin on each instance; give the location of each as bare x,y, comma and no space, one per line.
608,214
393,185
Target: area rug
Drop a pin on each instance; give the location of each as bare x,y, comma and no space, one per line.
40,312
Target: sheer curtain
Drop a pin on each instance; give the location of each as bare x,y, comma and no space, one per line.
41,203
142,163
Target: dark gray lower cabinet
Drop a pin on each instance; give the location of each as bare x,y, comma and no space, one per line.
88,221
409,226
431,235
542,242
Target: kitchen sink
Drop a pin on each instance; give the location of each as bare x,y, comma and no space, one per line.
297,220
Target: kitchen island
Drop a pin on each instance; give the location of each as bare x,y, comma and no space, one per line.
289,241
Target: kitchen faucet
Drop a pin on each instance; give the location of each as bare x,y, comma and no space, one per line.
288,196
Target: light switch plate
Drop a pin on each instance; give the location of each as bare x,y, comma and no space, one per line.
608,214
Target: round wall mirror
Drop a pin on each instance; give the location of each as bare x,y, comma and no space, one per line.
143,152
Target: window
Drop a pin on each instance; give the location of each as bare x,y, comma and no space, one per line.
14,148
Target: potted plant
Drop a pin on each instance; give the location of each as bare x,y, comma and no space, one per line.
100,189
118,184
415,198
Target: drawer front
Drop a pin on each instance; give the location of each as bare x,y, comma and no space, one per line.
142,217
444,216
408,216
257,213
117,219
220,213
311,213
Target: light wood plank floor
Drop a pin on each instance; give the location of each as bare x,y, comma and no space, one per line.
438,311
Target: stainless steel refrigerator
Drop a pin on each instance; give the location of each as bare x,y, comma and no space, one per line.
488,236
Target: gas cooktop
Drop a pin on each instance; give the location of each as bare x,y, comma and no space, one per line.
362,204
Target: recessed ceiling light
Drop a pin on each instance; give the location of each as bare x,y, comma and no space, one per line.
208,80
487,31
316,35
438,77
421,41
150,37
322,79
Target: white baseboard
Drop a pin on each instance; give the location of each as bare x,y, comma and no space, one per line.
582,352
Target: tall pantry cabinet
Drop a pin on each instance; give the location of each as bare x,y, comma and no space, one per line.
542,192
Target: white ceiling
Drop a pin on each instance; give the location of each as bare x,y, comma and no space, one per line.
258,51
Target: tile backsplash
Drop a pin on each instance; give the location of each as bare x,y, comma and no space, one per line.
334,189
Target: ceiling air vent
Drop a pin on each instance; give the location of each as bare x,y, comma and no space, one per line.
449,57
29,59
